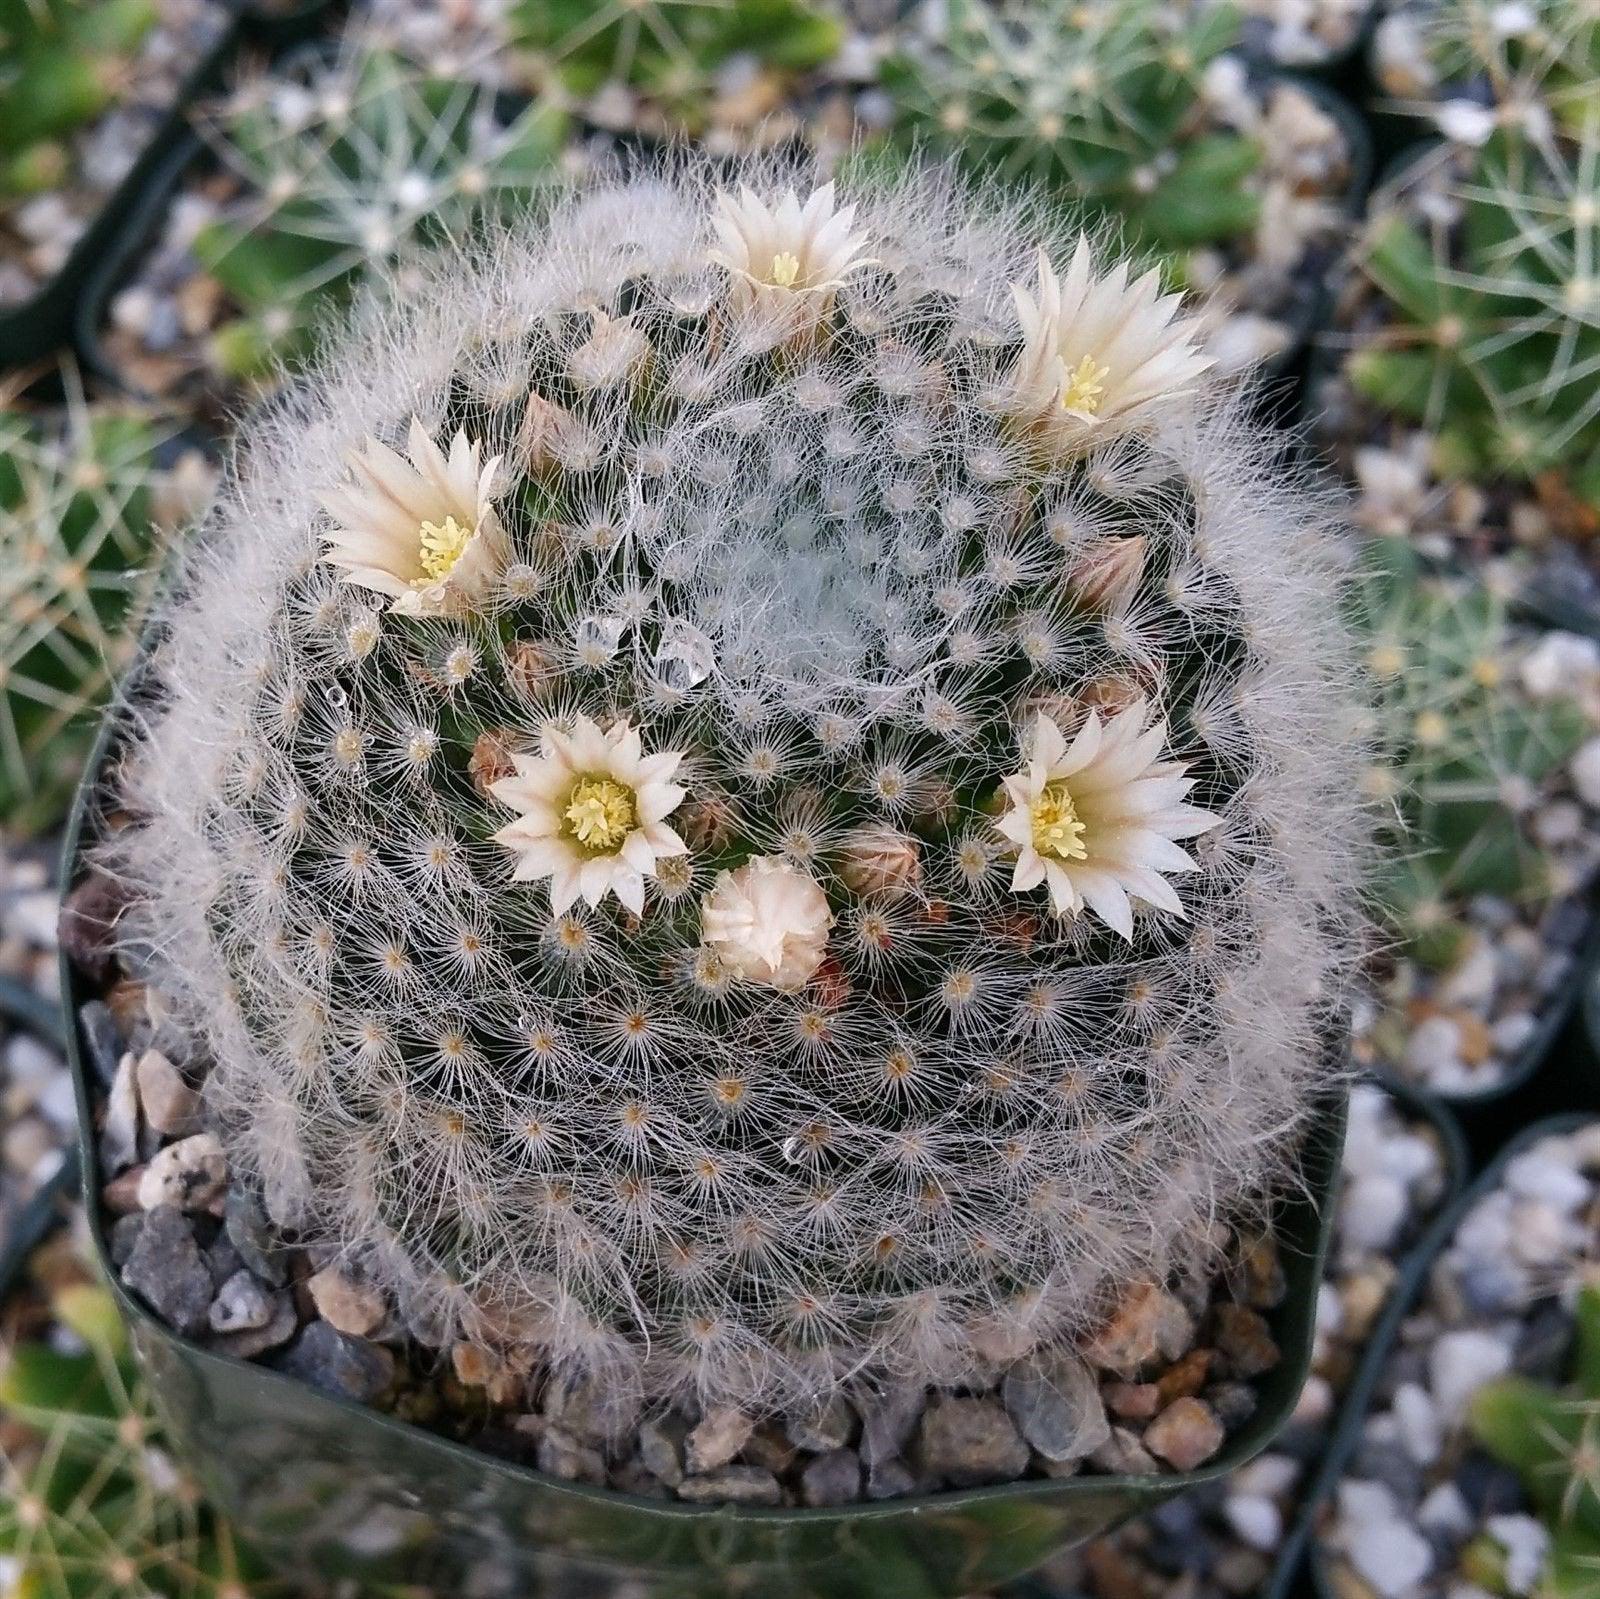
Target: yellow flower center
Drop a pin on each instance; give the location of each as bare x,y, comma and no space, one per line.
441,547
600,813
1056,828
1085,389
785,269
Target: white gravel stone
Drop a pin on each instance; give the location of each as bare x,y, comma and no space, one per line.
1585,769
1257,1520
1372,1211
1459,1364
1389,1556
1434,1048
1417,1423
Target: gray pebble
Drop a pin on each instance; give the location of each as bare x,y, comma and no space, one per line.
1122,1454
562,1455
717,1439
661,1448
733,1485
339,1364
832,1479
241,1305
823,1427
965,1442
888,1421
124,1235
252,1235
1055,1402
166,1269
100,1038
890,1479
281,1325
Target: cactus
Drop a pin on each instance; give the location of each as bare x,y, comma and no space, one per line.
367,161
1551,1439
1464,752
1100,103
669,50
1539,56
680,870
60,65
81,524
1494,306
92,1501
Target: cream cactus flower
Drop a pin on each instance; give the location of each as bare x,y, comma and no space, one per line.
592,814
768,922
1096,819
1101,356
787,258
424,532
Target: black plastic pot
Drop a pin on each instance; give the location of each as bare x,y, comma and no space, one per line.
326,1489
1408,1291
25,1010
41,325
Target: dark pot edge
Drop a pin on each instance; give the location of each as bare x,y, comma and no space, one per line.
1408,1288
1294,1331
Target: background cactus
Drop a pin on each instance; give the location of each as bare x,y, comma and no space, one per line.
60,64
823,515
1101,103
82,511
92,1502
1465,751
1493,306
1551,1438
669,50
348,166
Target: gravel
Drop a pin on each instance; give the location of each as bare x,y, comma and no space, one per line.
1420,1504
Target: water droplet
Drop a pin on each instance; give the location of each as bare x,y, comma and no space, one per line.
337,696
598,638
684,657
794,1149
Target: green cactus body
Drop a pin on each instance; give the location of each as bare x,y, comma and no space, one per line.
388,162
1494,332
60,62
78,550
1464,752
92,1503
1551,1438
670,50
1099,103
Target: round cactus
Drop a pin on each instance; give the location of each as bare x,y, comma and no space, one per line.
755,792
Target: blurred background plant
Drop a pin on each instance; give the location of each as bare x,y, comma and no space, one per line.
92,1502
85,509
1466,751
1488,266
345,165
1099,102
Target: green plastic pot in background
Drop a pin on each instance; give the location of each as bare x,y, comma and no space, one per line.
326,1489
1402,1302
41,325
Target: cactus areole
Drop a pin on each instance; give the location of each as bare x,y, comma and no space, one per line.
754,791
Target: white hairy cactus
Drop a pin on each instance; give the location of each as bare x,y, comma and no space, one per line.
753,793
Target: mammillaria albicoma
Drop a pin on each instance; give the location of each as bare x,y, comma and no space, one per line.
755,791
